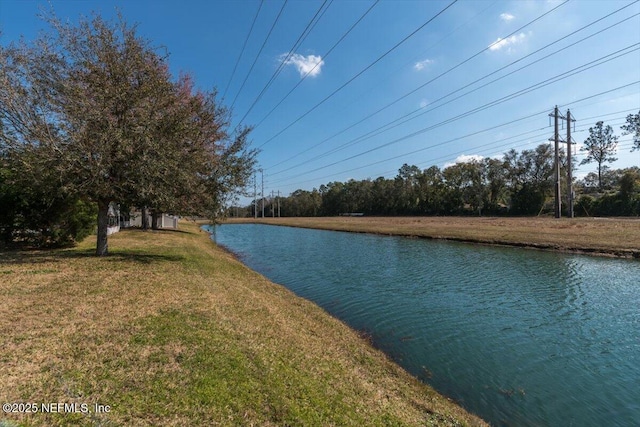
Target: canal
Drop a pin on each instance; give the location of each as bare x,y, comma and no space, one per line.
519,337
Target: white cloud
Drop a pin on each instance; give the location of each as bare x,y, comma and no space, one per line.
421,65
423,103
508,42
464,158
506,17
311,64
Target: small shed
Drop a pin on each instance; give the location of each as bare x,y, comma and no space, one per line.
165,221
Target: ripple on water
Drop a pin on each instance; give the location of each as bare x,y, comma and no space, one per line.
519,337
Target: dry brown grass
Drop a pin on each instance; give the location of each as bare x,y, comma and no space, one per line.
600,236
171,330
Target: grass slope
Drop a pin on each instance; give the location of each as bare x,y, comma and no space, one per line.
171,330
618,237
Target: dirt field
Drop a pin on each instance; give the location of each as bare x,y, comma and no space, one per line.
599,236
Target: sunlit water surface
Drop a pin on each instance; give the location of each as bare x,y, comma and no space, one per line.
519,337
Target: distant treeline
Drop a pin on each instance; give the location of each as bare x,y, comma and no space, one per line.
521,183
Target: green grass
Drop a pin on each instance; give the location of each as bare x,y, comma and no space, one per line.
171,330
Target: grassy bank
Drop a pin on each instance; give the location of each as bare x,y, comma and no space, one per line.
171,330
599,236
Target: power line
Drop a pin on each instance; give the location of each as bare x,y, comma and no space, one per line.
314,20
360,73
391,73
540,137
381,129
244,45
459,89
420,149
437,158
315,66
458,138
477,109
542,133
608,114
374,132
259,52
493,103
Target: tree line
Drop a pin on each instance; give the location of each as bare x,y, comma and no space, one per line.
90,115
519,183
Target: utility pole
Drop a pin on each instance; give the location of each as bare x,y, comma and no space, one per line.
278,203
273,211
569,165
556,164
255,195
262,192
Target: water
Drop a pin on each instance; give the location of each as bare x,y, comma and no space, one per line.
519,337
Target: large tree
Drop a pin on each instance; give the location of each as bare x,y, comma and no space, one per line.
600,147
632,127
466,186
432,191
530,178
99,105
408,189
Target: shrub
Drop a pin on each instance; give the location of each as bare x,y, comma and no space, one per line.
42,217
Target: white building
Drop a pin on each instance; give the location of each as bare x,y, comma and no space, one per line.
165,221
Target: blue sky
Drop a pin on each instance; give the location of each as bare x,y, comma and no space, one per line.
477,78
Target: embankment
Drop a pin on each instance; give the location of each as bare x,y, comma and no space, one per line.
615,237
171,330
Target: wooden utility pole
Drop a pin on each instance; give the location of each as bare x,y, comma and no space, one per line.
273,208
278,203
556,164
255,195
262,191
569,166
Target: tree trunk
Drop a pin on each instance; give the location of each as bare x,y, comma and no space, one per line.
600,176
145,219
102,247
154,220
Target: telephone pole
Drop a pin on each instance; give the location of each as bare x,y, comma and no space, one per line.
278,203
255,195
262,191
273,210
556,165
569,165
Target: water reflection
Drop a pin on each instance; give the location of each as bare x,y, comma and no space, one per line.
520,337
